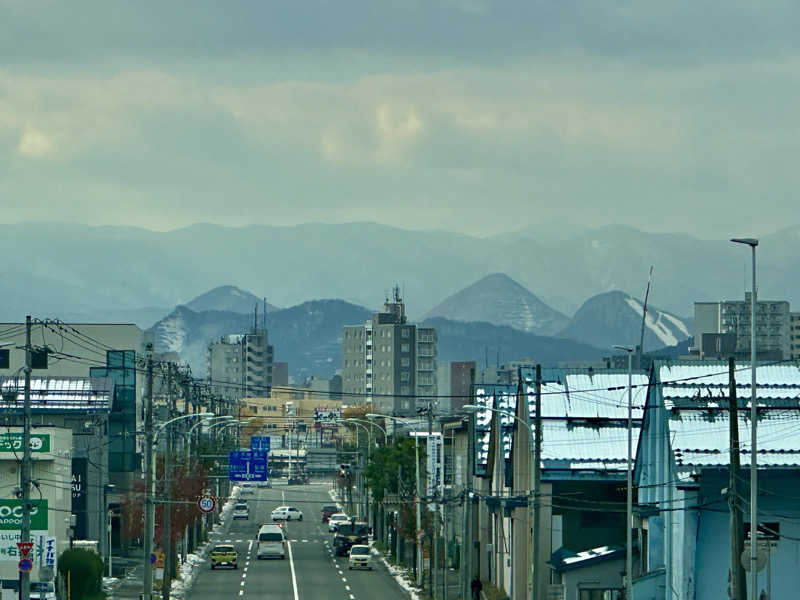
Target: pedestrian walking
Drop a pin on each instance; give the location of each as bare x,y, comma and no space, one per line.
477,587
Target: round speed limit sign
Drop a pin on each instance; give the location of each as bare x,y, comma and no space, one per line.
206,504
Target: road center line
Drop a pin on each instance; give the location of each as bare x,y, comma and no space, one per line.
291,566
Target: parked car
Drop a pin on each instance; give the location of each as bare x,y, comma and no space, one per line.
287,513
359,558
241,511
327,511
224,555
335,519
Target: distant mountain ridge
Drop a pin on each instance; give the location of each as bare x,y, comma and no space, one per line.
84,270
228,298
500,300
616,318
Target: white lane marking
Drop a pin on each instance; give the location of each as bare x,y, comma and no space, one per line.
291,566
347,587
242,584
343,579
303,540
241,592
352,597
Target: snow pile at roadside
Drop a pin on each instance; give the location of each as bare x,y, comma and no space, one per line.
199,558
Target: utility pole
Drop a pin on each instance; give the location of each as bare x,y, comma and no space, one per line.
25,472
537,485
166,583
434,574
419,514
466,535
738,580
150,513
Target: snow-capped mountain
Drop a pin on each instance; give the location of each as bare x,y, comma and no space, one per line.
616,318
228,298
500,300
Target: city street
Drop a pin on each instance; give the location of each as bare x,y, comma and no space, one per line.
309,570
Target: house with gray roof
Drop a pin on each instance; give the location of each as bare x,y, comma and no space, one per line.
682,477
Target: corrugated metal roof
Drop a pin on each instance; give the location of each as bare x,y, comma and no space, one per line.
716,374
58,393
575,442
702,439
598,396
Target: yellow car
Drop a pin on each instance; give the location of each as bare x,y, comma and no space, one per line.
224,555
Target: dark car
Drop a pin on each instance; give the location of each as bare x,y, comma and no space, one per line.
298,479
328,510
348,535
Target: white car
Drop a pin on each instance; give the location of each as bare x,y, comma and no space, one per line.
248,489
335,519
287,513
241,511
359,558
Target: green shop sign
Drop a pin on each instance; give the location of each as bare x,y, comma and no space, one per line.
11,514
12,442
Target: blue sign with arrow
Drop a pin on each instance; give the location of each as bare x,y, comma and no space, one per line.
247,465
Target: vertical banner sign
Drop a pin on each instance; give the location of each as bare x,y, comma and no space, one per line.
434,465
79,500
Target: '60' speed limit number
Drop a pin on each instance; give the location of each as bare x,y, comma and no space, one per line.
206,504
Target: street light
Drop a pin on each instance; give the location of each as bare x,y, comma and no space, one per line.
629,499
752,242
205,421
418,498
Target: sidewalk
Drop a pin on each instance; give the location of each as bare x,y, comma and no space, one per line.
132,586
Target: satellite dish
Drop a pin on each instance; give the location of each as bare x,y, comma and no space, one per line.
761,556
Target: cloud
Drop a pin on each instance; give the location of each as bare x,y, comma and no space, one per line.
34,144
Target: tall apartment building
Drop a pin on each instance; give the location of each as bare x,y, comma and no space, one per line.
389,362
240,365
723,328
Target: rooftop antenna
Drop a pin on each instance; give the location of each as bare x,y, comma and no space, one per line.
640,350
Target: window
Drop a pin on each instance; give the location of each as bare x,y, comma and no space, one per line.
405,332
606,594
404,347
405,376
405,362
5,359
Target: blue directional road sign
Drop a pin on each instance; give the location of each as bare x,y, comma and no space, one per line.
259,443
247,465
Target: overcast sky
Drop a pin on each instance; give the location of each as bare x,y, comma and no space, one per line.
466,115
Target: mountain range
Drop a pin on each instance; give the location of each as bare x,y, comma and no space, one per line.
494,315
83,271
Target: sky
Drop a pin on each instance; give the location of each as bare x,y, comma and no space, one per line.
472,116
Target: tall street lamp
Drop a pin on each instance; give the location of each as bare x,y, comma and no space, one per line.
629,499
206,421
752,242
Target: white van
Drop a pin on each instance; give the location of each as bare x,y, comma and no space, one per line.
271,542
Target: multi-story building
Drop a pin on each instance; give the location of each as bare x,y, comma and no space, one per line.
389,362
455,385
794,345
240,365
723,328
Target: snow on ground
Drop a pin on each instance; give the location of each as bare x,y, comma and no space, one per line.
198,559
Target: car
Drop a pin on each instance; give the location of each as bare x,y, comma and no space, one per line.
352,533
359,558
335,519
248,489
327,511
298,479
271,542
241,511
287,513
264,484
43,590
224,555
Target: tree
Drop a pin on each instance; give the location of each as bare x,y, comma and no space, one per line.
84,571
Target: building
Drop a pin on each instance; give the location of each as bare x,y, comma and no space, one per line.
794,346
52,501
683,478
240,365
280,374
389,362
723,329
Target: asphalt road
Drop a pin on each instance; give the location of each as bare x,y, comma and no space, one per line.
310,571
